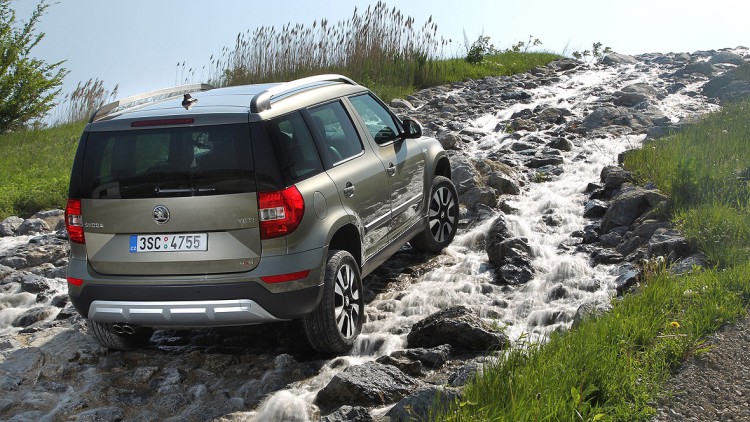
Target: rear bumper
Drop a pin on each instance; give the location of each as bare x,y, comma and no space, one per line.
176,306
180,314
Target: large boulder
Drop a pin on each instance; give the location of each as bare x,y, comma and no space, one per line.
629,204
9,226
730,86
614,59
458,327
369,384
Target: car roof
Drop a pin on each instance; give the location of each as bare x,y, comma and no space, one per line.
204,99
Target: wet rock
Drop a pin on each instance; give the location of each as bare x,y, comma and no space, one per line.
604,117
407,366
369,384
458,327
561,144
348,414
595,209
420,405
9,226
33,283
32,316
607,256
627,278
432,358
511,258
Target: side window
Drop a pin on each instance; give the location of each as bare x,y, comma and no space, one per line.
379,121
337,130
294,147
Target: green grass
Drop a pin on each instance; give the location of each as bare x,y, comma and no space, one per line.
613,367
35,169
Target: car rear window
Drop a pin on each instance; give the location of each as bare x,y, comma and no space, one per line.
168,162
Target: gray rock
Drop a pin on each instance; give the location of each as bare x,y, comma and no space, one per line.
722,57
33,226
628,205
407,366
730,86
55,219
100,414
419,405
458,327
561,144
466,373
32,283
32,316
369,384
595,208
668,243
9,226
348,414
627,278
702,68
449,140
401,104
432,358
614,59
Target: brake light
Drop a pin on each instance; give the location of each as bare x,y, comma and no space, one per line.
75,281
74,221
280,212
285,277
162,122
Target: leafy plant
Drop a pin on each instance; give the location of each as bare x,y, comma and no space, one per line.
595,54
480,48
28,86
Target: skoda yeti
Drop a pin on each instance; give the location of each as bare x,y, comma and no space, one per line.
199,207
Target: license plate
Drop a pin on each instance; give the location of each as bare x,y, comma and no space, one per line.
168,242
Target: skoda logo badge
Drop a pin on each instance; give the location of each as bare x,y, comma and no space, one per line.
161,214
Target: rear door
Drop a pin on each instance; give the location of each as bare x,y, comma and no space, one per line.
171,201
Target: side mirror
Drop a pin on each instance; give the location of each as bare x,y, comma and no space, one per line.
412,129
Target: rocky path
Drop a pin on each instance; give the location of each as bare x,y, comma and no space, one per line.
714,386
538,248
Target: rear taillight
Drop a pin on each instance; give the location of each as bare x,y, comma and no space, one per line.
280,212
74,221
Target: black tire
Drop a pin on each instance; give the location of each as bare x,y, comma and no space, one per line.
104,334
442,215
334,326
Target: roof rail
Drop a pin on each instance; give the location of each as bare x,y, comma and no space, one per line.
165,92
262,101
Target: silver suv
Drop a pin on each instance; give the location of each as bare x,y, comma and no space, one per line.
200,207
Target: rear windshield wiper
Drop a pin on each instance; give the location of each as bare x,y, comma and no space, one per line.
184,190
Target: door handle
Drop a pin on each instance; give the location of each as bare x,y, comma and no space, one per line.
349,190
391,170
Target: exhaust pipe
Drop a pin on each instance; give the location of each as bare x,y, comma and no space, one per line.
123,329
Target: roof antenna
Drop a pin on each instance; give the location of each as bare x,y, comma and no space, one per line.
188,101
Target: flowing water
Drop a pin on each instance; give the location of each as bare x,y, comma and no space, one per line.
563,281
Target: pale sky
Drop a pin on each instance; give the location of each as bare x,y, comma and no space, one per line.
138,43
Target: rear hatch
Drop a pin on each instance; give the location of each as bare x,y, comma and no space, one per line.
170,201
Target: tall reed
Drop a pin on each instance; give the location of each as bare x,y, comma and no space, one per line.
380,46
83,101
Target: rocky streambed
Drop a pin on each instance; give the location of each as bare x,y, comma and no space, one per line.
551,229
